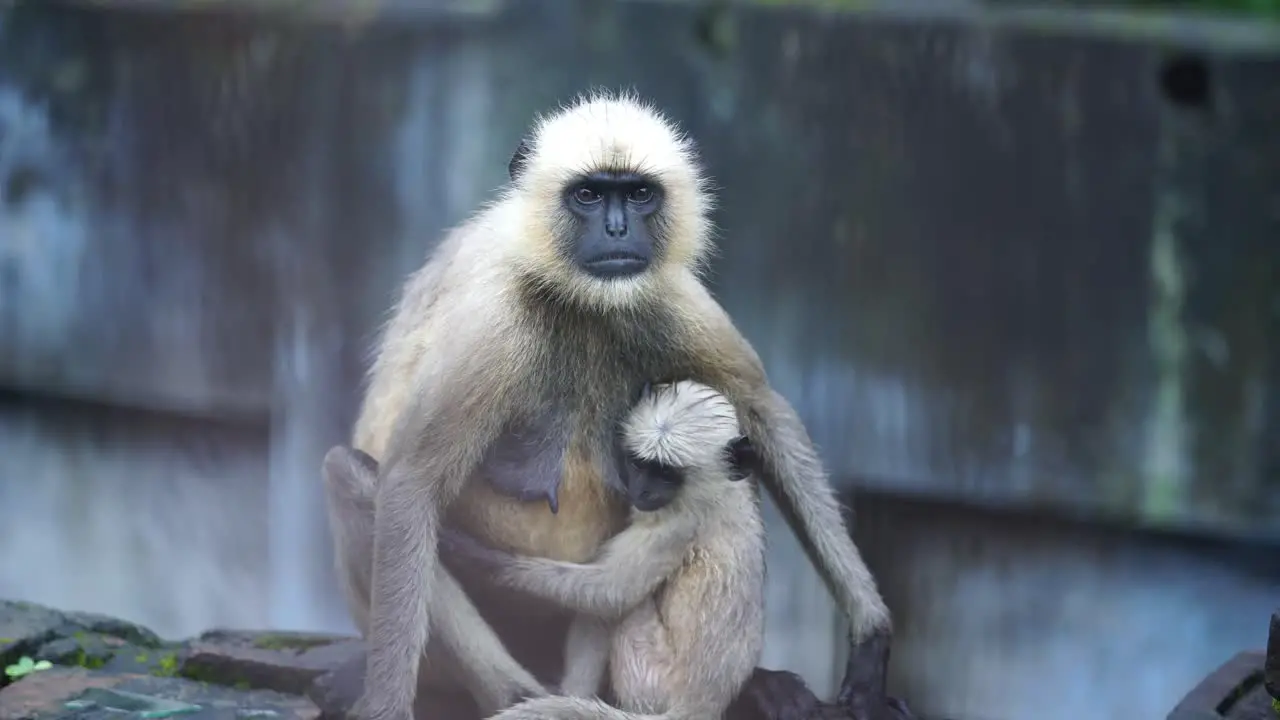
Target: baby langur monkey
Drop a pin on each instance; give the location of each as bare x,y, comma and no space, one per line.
673,605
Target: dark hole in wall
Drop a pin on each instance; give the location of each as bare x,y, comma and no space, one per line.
1186,82
713,29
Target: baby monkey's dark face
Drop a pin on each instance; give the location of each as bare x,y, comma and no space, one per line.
615,215
651,485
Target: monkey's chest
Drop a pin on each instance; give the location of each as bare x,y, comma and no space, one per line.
542,492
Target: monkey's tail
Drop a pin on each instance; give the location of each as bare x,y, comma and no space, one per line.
571,708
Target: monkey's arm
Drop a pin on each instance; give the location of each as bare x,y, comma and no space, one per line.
629,568
794,475
435,447
789,467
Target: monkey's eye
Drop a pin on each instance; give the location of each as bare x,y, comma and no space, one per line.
640,195
586,195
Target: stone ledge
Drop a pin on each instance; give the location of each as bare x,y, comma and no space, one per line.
65,692
104,666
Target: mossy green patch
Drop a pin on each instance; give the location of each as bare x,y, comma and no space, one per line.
199,673
87,661
289,642
86,650
166,666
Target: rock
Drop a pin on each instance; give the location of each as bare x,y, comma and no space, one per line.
1271,666
336,691
1232,692
775,695
25,628
79,694
285,662
105,666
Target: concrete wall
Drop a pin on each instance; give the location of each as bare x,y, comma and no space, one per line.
998,259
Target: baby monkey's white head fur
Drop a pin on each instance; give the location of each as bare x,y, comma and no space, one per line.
612,200
685,425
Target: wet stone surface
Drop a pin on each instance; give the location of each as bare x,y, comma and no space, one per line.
108,668
66,693
287,662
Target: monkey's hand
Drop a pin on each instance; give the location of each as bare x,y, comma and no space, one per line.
469,553
862,694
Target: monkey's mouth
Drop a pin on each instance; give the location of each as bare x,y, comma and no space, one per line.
616,265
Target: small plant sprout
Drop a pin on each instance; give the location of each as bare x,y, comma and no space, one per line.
26,666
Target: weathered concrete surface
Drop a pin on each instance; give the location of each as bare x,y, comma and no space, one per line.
986,289
996,611
142,515
1015,260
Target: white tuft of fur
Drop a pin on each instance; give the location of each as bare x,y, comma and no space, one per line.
683,424
619,132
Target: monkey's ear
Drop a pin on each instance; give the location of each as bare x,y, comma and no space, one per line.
519,159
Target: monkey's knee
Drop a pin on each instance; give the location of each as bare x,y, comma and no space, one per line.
350,475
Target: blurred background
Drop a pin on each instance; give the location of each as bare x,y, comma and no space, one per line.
1018,267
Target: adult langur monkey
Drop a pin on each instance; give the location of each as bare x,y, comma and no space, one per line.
520,344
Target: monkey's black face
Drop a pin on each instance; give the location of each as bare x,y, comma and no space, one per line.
613,213
651,485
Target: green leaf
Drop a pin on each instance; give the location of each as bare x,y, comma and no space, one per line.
22,667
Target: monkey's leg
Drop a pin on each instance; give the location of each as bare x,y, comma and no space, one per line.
586,656
480,660
465,649
641,661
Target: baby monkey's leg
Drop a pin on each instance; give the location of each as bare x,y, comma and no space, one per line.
586,656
